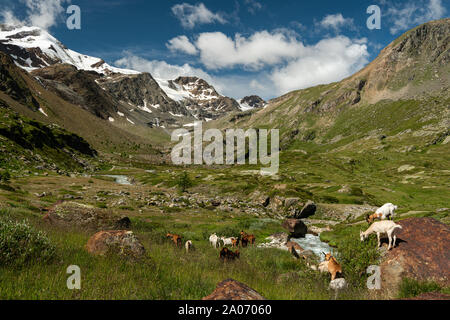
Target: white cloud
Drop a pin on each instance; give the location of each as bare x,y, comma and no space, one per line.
160,69
335,21
218,51
192,15
328,61
183,44
253,6
414,13
43,14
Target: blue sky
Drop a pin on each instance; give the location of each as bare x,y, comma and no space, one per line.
243,47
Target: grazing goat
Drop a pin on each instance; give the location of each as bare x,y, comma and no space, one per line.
228,255
235,243
386,212
189,246
333,266
214,240
227,241
177,239
382,227
247,239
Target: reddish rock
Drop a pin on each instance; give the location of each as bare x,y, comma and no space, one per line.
233,290
121,242
295,227
422,253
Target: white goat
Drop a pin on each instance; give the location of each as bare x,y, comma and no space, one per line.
387,211
214,240
189,246
227,241
382,227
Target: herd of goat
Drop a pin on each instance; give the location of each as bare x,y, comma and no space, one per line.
386,225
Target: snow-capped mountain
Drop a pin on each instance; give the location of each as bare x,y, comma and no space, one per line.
252,102
200,98
34,49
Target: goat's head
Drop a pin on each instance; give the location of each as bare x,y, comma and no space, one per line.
362,236
328,257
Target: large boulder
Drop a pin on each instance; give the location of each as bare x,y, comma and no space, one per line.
121,242
308,210
233,290
423,254
73,214
295,227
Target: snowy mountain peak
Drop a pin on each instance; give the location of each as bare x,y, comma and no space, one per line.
33,48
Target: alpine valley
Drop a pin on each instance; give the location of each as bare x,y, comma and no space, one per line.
85,155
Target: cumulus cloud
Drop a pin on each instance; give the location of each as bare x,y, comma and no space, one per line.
218,51
335,21
183,44
43,14
192,15
414,13
159,69
328,61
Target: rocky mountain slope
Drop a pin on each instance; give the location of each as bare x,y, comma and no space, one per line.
403,95
252,102
201,99
164,103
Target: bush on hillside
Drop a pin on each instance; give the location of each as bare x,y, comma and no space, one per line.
20,244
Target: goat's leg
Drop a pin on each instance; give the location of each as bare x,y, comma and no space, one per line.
390,241
395,240
378,236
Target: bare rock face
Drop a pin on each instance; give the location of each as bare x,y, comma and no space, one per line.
233,290
423,253
121,242
72,214
295,227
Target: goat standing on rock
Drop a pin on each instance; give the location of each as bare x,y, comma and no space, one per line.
382,227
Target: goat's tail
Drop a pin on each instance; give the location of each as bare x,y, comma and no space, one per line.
397,226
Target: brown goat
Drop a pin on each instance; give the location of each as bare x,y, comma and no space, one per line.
333,266
371,218
228,255
176,239
247,239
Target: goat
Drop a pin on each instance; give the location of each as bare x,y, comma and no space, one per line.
235,243
227,241
333,266
385,212
189,246
382,227
214,240
227,255
247,239
177,239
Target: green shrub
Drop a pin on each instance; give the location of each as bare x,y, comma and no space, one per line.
410,288
184,182
20,244
5,176
355,257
